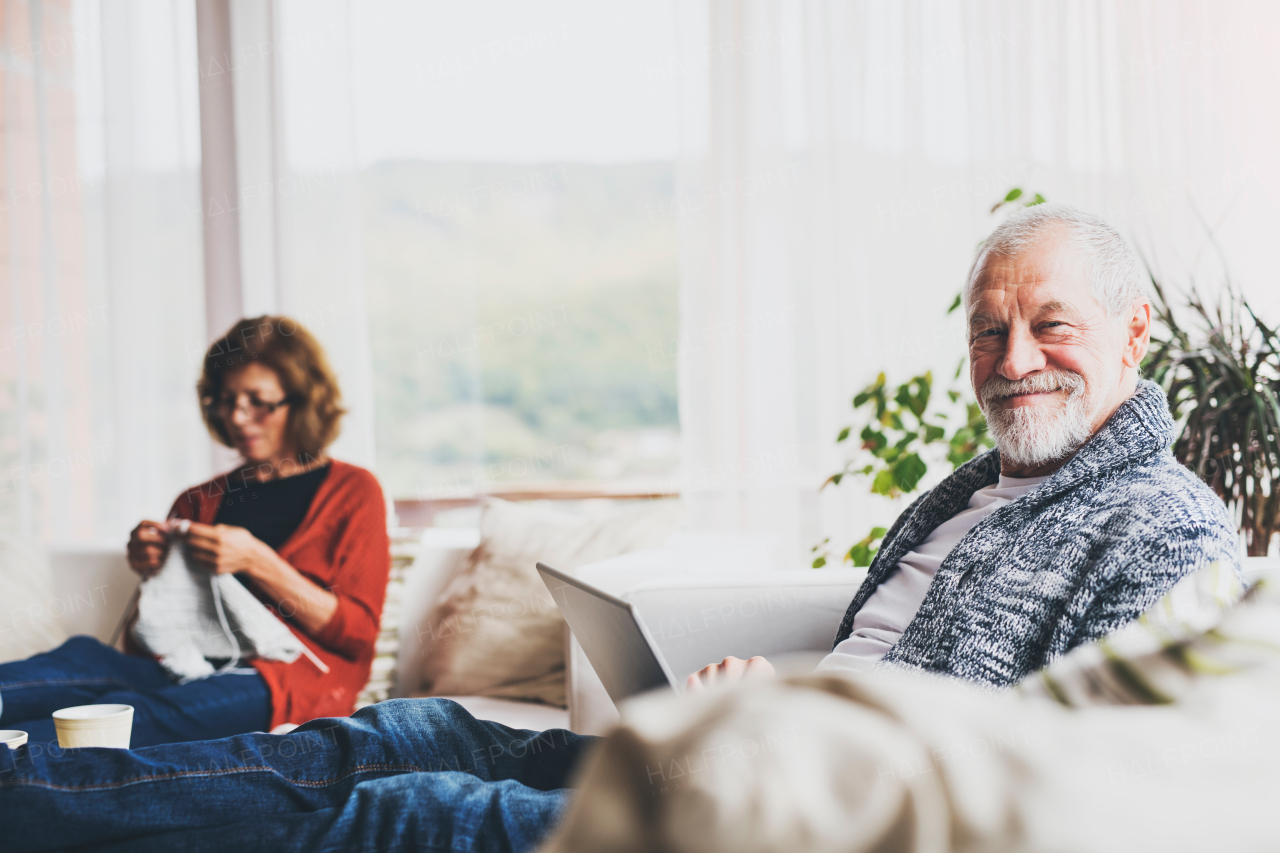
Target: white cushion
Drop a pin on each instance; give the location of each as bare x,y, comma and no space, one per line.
96,587
30,613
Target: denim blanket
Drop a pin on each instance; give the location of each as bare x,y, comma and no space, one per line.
1084,554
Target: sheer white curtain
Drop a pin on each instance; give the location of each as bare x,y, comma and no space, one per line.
102,295
101,305
831,202
298,202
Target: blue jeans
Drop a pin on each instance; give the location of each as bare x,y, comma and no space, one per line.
83,671
408,774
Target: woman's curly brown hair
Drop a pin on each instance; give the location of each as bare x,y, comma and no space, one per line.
282,344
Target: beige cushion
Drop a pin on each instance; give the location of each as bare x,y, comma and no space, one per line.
30,613
495,630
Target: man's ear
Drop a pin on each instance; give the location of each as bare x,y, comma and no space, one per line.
1138,330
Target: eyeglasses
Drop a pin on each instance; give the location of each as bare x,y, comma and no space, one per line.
257,408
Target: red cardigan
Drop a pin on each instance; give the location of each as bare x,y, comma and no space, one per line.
342,545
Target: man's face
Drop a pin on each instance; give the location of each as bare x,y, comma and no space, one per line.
1047,365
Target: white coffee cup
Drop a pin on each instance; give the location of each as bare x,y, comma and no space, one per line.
94,725
12,738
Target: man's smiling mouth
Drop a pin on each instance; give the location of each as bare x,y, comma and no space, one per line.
1008,397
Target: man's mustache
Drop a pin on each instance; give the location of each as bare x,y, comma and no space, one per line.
997,388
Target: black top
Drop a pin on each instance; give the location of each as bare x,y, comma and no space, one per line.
272,510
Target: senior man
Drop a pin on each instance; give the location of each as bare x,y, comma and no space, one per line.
1079,521
1080,518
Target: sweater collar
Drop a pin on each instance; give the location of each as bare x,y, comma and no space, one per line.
1140,427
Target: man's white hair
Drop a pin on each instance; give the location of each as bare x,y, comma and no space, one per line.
1115,272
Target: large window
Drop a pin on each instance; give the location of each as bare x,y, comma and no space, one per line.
520,262
101,302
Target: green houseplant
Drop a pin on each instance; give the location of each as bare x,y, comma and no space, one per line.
900,424
1221,375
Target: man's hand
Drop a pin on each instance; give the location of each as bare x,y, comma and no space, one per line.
226,549
729,670
148,547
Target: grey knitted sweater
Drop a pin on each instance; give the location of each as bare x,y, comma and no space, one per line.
1083,554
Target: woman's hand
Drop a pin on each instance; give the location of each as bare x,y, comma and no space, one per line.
729,670
148,547
225,549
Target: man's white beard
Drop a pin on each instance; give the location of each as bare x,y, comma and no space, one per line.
1030,436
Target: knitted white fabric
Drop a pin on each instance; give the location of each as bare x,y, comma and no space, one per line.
187,616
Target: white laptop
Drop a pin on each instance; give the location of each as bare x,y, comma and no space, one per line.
613,637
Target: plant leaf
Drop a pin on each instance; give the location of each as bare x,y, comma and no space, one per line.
907,472
872,440
862,552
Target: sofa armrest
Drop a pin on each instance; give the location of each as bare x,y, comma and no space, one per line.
694,622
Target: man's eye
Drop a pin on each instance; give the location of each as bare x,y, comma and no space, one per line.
988,333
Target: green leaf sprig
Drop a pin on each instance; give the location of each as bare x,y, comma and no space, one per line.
899,425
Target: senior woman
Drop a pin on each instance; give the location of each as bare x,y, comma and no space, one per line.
305,533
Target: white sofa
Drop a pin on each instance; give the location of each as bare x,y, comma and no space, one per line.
701,604
703,598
